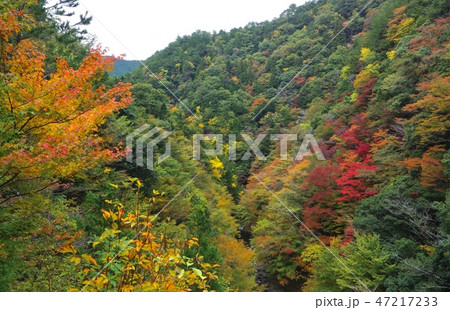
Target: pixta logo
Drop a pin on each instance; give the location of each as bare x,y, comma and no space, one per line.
145,140
309,142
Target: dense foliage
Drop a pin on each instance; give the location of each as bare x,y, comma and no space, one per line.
374,215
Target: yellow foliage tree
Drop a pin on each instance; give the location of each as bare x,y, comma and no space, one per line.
217,167
366,53
361,79
400,25
238,261
127,257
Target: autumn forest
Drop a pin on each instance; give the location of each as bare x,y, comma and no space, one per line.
368,80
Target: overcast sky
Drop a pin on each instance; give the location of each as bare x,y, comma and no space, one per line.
138,28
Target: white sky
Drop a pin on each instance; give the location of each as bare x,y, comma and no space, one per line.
138,28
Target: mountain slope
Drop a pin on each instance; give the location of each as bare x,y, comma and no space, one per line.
377,99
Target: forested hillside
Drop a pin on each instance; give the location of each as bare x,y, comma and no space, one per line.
368,79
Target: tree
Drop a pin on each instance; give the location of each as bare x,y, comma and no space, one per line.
237,262
128,256
319,213
398,211
400,25
49,124
429,168
365,257
368,259
431,112
49,136
200,226
153,101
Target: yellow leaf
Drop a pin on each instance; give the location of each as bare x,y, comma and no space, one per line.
89,258
68,249
128,288
75,260
73,290
106,214
390,55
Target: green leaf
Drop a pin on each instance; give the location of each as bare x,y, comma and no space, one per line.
181,274
198,272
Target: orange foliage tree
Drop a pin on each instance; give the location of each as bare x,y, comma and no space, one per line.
429,167
49,123
431,112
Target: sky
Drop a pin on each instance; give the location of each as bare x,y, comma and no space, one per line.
139,28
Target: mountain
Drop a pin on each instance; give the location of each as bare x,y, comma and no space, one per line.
327,168
363,78
124,66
